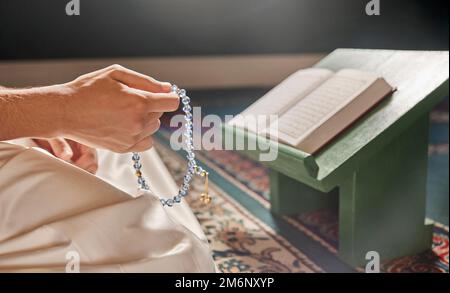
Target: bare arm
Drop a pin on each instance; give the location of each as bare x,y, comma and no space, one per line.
113,108
34,112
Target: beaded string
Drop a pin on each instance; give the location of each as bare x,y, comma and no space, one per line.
193,167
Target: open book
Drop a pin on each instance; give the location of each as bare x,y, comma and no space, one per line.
313,106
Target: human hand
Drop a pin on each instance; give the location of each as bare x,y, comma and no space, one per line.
71,151
115,108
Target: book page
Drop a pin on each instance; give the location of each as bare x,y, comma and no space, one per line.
322,103
284,95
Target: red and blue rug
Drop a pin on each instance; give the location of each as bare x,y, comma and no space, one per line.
246,237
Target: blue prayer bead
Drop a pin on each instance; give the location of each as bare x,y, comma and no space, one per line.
169,202
193,168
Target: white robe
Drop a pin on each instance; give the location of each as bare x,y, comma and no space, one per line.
51,210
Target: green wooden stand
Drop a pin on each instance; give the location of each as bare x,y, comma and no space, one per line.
376,170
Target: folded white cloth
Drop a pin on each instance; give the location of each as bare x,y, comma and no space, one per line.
50,210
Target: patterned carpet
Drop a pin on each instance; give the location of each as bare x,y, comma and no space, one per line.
243,242
246,237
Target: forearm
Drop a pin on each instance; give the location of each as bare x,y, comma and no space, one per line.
33,112
113,108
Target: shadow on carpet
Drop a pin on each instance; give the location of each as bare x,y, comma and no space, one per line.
246,237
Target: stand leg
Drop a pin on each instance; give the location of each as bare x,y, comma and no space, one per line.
382,205
288,196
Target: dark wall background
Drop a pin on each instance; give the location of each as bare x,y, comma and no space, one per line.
107,28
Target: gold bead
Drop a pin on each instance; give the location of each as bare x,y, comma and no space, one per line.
138,173
205,198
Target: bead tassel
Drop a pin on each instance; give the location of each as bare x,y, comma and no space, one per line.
193,168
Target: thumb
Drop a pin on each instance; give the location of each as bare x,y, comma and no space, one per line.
61,148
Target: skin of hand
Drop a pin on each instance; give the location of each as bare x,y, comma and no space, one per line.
71,151
117,109
113,108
